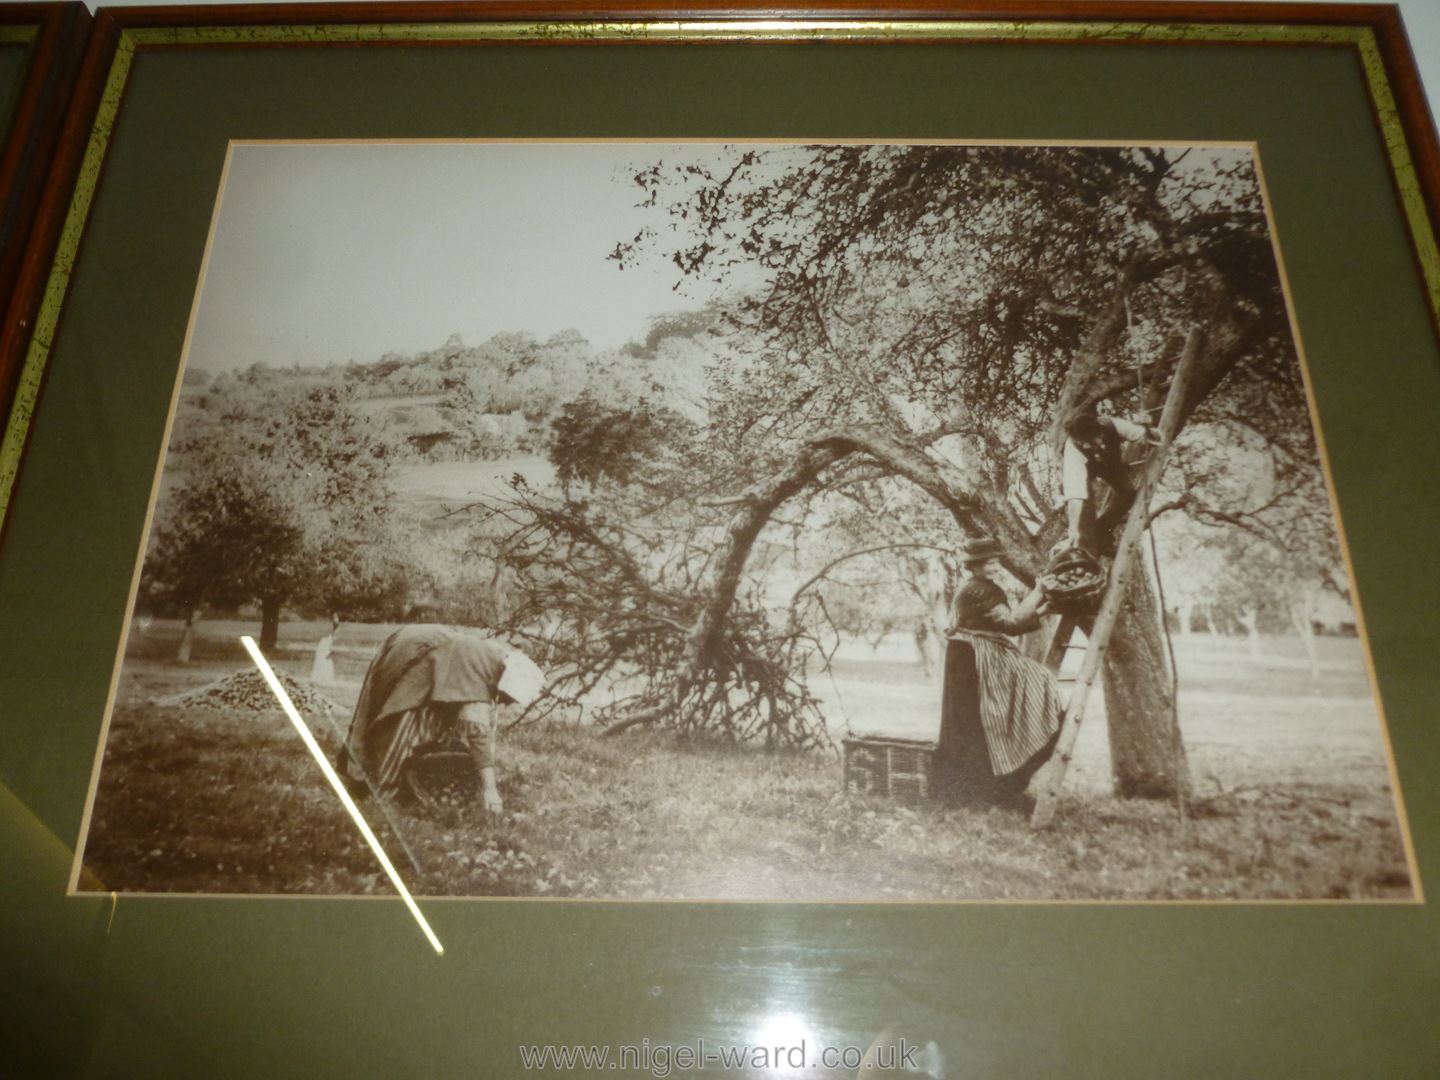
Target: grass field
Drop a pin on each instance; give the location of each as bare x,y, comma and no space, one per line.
1292,799
464,481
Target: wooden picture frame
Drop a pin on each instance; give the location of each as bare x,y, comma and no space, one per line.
999,989
52,37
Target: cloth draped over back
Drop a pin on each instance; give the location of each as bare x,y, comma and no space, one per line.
411,697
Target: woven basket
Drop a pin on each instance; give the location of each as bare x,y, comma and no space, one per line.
440,778
1073,581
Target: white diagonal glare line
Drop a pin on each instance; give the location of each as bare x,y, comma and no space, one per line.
338,785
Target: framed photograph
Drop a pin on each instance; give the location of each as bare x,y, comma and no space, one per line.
815,534
40,49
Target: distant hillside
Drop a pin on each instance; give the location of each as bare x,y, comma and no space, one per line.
488,402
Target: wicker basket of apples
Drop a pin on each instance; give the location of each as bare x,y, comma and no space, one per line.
1073,581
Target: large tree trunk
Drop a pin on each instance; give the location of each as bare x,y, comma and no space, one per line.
269,624
1146,754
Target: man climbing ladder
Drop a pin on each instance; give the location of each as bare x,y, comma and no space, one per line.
1099,628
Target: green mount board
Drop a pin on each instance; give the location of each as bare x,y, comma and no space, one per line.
312,987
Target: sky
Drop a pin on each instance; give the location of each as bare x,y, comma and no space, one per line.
325,253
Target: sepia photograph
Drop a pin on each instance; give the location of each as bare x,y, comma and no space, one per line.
629,520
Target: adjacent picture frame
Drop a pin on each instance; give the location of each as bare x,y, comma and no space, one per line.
1327,93
41,46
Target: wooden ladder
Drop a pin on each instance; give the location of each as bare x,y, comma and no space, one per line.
1101,625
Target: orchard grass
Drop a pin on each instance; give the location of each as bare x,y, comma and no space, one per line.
194,800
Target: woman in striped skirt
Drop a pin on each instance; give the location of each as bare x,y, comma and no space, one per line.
1000,713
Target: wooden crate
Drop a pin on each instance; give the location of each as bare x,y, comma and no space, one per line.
898,769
